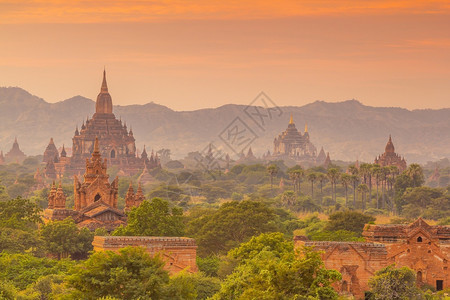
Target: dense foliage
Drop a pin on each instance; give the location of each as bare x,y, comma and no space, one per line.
153,218
243,221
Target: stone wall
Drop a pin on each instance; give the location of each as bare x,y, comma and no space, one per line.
357,262
418,246
179,253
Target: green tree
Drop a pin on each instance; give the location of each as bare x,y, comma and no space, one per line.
7,291
365,170
415,172
363,189
64,238
19,241
24,269
153,218
274,242
129,274
296,174
321,177
432,203
3,194
267,275
273,171
392,283
346,179
312,177
191,286
19,213
333,175
208,265
348,220
168,192
376,173
233,223
355,181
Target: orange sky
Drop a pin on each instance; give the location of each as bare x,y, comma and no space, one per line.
194,54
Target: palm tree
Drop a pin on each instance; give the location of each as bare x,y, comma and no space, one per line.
296,176
273,171
288,198
355,181
394,172
345,180
376,172
321,177
333,176
415,172
366,171
385,171
363,189
311,178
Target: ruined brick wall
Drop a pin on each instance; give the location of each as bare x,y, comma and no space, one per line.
357,262
418,246
179,253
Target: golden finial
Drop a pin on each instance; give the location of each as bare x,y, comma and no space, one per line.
96,148
291,121
306,126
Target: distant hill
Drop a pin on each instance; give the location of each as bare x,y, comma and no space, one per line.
349,130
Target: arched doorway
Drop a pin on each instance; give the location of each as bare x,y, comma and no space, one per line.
113,153
97,197
344,287
419,277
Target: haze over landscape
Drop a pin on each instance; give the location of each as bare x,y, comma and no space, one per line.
217,150
348,130
190,56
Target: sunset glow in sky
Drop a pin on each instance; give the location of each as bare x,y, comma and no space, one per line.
194,54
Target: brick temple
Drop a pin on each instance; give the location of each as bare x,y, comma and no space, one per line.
95,198
116,142
179,253
14,155
390,158
419,246
294,145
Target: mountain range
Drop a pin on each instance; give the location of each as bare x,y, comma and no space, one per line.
348,130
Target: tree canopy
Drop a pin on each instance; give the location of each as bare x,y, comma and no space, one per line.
234,222
153,218
129,274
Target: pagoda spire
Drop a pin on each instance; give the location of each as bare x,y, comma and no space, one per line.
306,127
96,148
104,84
291,121
103,104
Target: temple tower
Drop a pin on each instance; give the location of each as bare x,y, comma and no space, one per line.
96,186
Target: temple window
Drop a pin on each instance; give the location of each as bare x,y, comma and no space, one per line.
419,239
97,197
344,287
113,153
419,276
439,285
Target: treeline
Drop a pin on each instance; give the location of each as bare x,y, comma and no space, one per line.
246,251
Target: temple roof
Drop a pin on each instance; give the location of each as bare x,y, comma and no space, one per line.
389,146
104,101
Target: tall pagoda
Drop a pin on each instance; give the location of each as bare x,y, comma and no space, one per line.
390,158
15,154
295,145
116,142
